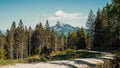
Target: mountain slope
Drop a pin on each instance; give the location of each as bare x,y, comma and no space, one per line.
64,28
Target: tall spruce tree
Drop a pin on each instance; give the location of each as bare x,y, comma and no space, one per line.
10,40
20,46
90,23
81,40
30,31
90,29
98,27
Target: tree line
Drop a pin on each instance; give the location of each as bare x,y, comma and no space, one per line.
104,27
102,32
21,42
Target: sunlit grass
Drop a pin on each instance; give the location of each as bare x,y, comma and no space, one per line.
9,62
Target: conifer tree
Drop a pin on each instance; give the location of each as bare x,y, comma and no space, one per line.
10,40
30,31
90,23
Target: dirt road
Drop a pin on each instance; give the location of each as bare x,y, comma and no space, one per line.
76,63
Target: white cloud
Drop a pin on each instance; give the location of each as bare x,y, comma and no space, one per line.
61,15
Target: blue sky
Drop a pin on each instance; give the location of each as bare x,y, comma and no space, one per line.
73,12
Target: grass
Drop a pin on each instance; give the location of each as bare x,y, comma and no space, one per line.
57,52
73,55
54,56
9,62
66,55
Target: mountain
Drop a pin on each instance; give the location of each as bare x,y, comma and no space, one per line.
3,32
63,28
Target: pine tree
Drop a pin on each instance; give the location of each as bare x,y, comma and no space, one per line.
98,27
29,41
47,26
12,30
62,42
26,42
81,40
10,40
104,18
38,39
20,44
90,23
88,42
101,30
54,40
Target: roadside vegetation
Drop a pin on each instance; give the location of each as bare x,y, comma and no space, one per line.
114,63
54,56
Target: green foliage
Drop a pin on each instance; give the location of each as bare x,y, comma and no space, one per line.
34,58
77,40
91,23
107,27
10,40
2,50
55,55
57,52
64,55
2,54
81,39
88,42
9,62
73,55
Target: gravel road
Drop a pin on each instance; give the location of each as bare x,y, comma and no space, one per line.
76,63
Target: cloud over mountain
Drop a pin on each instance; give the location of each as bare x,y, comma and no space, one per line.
61,15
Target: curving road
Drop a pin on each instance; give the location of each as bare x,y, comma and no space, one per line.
76,63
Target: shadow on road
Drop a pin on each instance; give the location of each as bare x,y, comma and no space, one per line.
83,62
74,63
65,64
